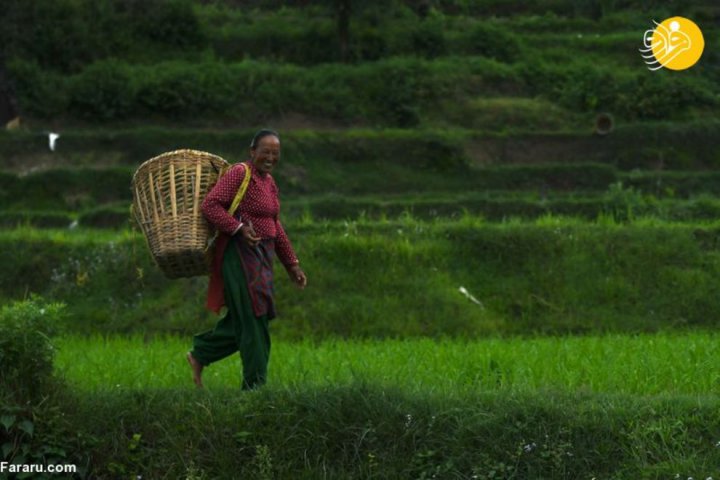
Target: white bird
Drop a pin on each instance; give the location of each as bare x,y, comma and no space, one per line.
464,291
52,137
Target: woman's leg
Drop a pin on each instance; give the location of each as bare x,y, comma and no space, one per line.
239,329
216,344
253,338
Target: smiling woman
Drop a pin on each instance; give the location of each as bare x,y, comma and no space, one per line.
241,275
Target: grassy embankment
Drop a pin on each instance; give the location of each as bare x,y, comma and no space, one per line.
541,408
402,278
533,408
341,175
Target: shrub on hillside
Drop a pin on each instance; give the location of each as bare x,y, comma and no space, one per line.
104,91
53,33
369,43
180,90
399,92
26,352
33,427
662,96
586,87
428,38
390,92
41,93
492,41
170,22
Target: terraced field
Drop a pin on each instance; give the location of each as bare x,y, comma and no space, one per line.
496,288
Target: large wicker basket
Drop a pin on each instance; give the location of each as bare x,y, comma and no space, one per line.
168,191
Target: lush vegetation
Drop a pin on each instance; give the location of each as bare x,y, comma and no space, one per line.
404,66
402,278
540,408
495,289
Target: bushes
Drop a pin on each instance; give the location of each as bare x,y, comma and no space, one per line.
33,427
628,94
66,35
391,92
401,92
169,22
41,93
26,351
492,41
105,91
663,96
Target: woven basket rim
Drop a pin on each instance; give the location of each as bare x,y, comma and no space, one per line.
191,151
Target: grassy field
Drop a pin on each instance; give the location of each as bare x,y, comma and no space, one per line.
551,408
450,148
674,364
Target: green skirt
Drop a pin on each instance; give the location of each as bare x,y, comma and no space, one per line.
239,330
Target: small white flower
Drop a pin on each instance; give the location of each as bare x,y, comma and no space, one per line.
408,420
529,447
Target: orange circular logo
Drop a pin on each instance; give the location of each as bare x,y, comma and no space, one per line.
676,43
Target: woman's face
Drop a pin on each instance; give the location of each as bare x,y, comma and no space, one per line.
267,153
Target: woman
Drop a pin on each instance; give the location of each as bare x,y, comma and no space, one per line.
241,276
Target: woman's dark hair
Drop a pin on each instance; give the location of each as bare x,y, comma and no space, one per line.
262,134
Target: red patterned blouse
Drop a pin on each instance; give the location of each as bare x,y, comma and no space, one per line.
260,205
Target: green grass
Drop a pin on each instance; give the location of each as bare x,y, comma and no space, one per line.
644,365
383,278
551,408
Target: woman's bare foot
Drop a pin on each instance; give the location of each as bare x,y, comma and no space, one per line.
197,369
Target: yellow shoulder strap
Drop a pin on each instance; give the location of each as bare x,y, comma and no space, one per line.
241,191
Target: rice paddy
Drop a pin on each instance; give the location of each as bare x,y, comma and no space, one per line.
660,364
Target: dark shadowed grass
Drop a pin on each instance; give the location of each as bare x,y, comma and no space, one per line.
367,431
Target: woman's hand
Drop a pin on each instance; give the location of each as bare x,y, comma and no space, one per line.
297,276
248,233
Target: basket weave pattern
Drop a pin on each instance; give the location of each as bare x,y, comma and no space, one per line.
168,191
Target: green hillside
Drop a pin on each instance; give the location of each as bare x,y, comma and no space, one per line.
508,224
401,109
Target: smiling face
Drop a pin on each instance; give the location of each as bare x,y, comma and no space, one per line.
267,153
